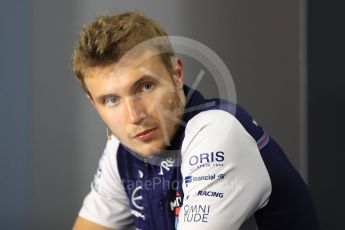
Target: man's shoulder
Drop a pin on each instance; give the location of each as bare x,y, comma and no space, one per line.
210,117
110,152
217,110
224,114
112,146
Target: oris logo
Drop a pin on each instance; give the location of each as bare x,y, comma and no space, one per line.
205,158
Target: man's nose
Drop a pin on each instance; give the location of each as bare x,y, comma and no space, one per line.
134,111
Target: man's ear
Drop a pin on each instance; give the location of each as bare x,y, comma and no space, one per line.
178,72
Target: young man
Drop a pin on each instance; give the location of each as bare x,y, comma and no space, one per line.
175,160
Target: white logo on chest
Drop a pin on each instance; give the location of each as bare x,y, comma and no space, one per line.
141,174
166,165
135,198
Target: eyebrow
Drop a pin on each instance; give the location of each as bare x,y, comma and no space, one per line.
142,79
138,82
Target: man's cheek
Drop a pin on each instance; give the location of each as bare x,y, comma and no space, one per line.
152,103
167,102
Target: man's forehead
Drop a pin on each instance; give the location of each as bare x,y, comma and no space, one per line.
136,65
119,80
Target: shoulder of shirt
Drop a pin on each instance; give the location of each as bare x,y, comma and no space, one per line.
110,152
212,123
211,117
112,144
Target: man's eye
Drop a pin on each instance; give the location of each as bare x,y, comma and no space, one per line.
111,101
146,87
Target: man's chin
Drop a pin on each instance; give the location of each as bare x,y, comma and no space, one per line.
150,152
146,151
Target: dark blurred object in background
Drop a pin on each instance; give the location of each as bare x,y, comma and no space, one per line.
326,110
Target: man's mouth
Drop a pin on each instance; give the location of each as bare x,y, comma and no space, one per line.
146,134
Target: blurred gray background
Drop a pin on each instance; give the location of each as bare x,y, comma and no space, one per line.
279,56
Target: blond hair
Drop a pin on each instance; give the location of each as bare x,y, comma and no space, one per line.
107,39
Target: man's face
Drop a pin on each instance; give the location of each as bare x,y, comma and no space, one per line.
139,101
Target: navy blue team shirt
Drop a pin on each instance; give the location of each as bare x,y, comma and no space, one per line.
172,191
